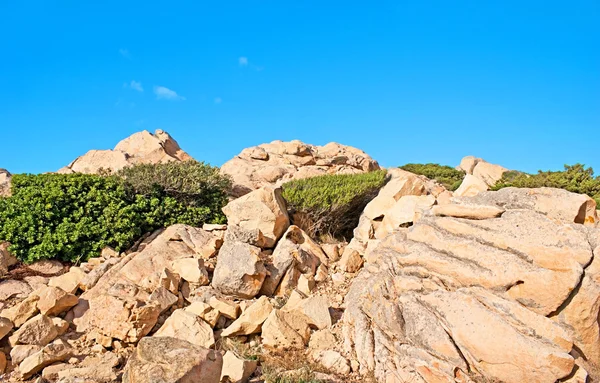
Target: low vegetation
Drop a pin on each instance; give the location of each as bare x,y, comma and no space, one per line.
575,178
331,204
71,217
445,175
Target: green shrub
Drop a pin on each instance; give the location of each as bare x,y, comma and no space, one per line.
575,178
445,175
197,186
331,204
71,217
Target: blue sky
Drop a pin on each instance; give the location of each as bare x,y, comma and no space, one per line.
514,82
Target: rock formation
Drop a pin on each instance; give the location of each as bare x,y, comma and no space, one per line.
480,176
278,162
139,148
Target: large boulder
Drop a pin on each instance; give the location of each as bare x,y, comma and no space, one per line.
507,290
125,303
139,148
480,176
278,162
264,211
172,360
240,270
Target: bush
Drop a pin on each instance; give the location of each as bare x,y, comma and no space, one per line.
199,187
575,178
445,175
71,217
331,204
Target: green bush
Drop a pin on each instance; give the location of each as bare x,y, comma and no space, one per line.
445,175
331,204
71,217
575,178
199,187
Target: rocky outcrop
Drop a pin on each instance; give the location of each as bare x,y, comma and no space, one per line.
139,148
122,305
480,176
278,162
496,296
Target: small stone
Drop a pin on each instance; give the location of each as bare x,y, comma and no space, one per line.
251,320
6,326
306,284
70,281
191,270
52,353
228,309
322,340
22,351
321,274
54,301
38,330
98,349
204,311
187,326
332,250
20,313
351,261
12,288
333,361
50,373
60,325
338,279
236,370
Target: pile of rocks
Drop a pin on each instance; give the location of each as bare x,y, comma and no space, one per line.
278,162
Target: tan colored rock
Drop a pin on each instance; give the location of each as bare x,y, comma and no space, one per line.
470,187
94,276
172,360
403,213
227,308
278,334
205,312
60,325
36,282
251,320
469,212
277,162
21,352
97,369
52,353
191,270
54,300
468,163
12,288
295,254
240,271
6,258
50,373
6,326
164,298
333,361
127,300
20,313
5,183
351,261
456,297
263,209
332,250
47,267
489,173
315,308
237,370
187,326
141,147
70,281
39,330
322,340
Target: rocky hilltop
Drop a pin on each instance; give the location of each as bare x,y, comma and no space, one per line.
434,286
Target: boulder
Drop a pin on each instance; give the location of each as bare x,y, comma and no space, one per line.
225,307
295,254
468,163
191,270
21,312
251,320
12,288
332,361
97,369
185,325
263,209
5,178
70,281
127,300
6,326
314,308
489,173
171,360
21,352
279,333
237,370
473,295
56,351
240,271
39,330
470,186
322,340
54,301
278,162
351,260
139,148
205,312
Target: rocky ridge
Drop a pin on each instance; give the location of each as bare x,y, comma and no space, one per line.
435,286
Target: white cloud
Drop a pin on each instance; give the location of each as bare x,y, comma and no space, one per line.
218,100
163,93
125,53
243,61
134,85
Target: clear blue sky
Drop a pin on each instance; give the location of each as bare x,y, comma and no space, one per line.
514,82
